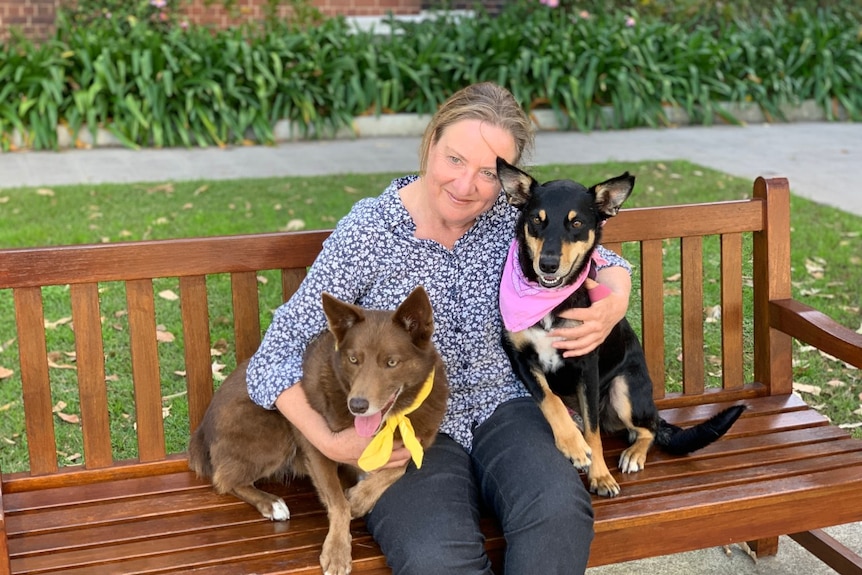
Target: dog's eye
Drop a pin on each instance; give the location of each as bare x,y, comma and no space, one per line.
352,359
392,362
537,220
577,223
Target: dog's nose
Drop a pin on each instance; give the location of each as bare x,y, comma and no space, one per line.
549,265
358,405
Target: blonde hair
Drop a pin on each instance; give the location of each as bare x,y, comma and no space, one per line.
484,101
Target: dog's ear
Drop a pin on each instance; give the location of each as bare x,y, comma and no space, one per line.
416,316
340,316
611,194
515,183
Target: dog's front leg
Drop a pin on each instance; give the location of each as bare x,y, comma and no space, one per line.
335,558
567,436
365,494
601,480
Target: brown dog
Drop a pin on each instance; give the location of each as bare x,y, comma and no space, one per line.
370,368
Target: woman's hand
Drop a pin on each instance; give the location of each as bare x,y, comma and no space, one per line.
345,446
599,319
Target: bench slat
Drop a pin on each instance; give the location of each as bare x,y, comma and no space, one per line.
691,263
90,362
652,312
145,370
33,353
35,267
246,314
194,307
732,353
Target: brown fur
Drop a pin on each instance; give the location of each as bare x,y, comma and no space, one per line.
378,352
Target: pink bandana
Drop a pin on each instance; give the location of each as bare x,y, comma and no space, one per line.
523,302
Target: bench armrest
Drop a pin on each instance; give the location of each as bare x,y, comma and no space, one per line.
813,327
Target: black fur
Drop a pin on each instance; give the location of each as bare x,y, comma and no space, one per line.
559,227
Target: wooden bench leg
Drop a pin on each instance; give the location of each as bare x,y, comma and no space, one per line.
765,547
830,551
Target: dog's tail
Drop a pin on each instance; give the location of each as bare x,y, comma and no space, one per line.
678,441
199,455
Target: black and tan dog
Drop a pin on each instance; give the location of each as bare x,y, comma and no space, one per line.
375,370
551,258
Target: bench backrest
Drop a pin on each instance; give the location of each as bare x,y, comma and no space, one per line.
647,236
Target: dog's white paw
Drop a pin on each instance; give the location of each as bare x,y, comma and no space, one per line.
631,461
279,512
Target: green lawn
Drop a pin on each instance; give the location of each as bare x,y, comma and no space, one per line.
826,259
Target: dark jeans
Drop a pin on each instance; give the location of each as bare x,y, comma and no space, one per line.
428,521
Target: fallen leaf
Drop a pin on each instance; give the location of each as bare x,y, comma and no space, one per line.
294,225
262,280
9,441
73,457
850,425
815,267
166,411
59,406
200,190
7,406
805,388
835,383
164,336
712,313
674,278
5,372
168,295
69,417
217,374
45,192
350,190
59,322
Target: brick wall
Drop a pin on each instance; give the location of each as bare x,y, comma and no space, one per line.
254,10
35,18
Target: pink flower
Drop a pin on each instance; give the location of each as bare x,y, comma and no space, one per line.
184,24
159,3
583,14
550,3
630,22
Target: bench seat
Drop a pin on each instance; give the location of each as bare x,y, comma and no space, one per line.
165,520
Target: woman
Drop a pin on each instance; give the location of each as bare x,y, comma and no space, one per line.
449,229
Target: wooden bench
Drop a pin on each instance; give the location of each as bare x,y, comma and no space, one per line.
782,469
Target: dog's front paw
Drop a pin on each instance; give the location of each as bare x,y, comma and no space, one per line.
632,460
276,510
604,485
360,501
335,558
577,451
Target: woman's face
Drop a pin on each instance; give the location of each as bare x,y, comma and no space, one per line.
461,176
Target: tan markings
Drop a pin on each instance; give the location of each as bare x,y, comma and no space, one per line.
567,436
573,253
601,480
633,459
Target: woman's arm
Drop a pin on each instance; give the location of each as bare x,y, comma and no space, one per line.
345,446
599,319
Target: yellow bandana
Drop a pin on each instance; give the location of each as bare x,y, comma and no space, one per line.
379,450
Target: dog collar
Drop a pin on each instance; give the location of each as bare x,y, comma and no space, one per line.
378,452
523,302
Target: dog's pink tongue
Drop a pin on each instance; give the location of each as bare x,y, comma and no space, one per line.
366,425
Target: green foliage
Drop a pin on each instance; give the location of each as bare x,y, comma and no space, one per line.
151,80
